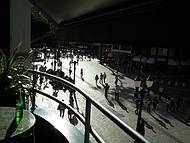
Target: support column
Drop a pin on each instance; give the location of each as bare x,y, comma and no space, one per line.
20,24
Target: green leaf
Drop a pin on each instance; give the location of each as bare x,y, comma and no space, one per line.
18,47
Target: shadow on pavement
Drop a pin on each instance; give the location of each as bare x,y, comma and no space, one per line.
165,120
110,103
122,106
159,121
149,126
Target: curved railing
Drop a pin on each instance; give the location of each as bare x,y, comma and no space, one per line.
86,120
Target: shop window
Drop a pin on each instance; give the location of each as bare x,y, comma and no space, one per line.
162,51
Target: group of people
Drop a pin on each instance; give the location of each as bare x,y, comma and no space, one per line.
152,102
101,78
61,108
173,104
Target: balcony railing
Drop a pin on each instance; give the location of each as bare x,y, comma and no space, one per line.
89,102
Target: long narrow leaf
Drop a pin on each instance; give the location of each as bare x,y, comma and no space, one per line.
4,60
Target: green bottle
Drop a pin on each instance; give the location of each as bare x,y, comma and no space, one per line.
19,108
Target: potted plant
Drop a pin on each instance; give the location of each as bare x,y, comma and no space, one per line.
13,72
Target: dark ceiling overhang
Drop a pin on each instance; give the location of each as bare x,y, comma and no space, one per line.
148,22
65,11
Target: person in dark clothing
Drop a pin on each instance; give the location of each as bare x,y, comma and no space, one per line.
172,105
168,104
161,91
101,78
104,77
106,87
149,106
61,109
155,103
116,80
70,71
81,73
96,78
71,103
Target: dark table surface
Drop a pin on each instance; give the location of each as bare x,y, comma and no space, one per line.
8,127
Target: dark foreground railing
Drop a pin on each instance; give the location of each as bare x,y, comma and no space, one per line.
86,120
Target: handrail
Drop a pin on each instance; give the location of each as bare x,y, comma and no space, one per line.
80,117
89,100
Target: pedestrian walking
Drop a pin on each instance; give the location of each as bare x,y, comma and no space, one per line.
155,103
70,63
52,64
101,78
61,109
161,91
172,105
149,106
116,80
81,73
104,77
117,92
71,103
96,78
106,87
168,102
55,93
70,71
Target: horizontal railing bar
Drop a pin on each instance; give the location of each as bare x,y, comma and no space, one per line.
96,136
131,132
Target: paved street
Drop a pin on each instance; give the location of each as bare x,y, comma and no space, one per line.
161,127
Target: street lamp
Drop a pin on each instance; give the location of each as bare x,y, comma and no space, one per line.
142,92
137,82
75,62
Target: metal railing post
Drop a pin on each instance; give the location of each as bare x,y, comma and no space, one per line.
87,120
33,99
